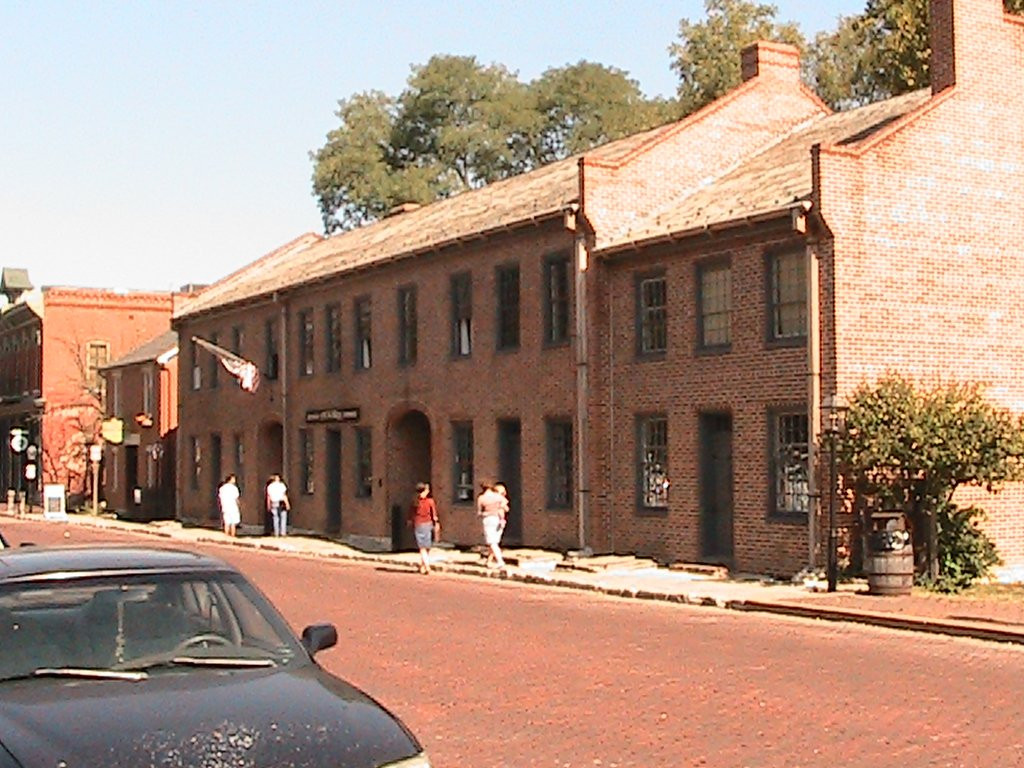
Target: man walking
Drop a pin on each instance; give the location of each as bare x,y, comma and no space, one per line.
278,505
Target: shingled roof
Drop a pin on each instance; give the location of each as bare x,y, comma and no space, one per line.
774,180
148,352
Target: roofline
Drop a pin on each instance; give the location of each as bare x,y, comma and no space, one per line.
757,217
481,234
905,120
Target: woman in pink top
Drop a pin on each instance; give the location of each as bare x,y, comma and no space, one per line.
492,507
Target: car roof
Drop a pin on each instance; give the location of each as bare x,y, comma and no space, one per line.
85,560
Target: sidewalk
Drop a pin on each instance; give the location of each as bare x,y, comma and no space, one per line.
993,619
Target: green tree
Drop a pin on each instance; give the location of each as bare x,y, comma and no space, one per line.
584,105
912,449
707,56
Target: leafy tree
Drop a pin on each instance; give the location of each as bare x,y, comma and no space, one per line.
707,56
912,450
586,104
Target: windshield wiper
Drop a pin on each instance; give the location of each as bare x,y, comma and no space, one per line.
222,661
92,674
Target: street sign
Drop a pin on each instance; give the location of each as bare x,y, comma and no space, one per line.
19,442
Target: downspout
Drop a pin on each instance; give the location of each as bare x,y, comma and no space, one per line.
581,262
282,374
813,399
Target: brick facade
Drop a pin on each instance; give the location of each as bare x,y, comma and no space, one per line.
896,224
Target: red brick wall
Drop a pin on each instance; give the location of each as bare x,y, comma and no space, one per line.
527,384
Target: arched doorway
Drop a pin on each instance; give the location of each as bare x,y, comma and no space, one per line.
270,461
408,463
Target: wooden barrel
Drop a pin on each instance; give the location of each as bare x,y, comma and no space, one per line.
890,572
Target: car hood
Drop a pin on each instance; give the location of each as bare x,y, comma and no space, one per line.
300,718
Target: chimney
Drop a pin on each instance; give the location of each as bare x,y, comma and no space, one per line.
770,58
969,43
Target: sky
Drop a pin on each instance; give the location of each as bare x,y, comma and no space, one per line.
148,145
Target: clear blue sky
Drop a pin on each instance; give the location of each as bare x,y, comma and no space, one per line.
152,144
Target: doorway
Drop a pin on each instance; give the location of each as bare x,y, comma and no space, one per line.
409,462
716,511
510,440
271,461
333,460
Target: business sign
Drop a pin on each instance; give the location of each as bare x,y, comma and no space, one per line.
328,415
54,502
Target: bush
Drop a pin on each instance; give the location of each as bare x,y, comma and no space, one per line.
965,553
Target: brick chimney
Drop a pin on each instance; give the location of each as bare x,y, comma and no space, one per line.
769,58
970,44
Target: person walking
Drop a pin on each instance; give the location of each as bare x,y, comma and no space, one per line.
278,504
426,525
230,513
492,507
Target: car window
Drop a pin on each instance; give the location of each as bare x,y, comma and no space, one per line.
119,623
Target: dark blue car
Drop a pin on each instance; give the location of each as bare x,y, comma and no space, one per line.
135,657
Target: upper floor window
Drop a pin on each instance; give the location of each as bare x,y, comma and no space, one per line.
116,407
559,439
462,314
462,460
237,339
652,470
97,354
507,285
213,364
556,299
197,371
364,333
148,392
408,323
789,463
332,325
788,295
306,342
652,315
715,301
270,347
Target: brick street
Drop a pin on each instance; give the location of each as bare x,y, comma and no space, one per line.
500,674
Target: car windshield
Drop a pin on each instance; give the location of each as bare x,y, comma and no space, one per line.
100,624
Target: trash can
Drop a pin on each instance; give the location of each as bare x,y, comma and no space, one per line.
889,562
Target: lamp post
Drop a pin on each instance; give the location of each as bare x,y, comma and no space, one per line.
836,412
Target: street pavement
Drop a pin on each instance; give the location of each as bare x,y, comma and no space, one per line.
993,619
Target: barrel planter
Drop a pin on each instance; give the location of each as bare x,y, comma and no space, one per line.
889,563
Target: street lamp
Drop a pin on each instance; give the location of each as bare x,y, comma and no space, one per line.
836,413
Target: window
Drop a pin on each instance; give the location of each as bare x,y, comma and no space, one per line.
148,393
196,461
407,325
364,463
97,354
270,348
115,394
556,300
715,298
789,463
332,324
652,444
239,460
559,435
152,465
306,458
462,460
461,288
364,333
507,284
237,339
306,343
213,363
652,315
197,371
788,298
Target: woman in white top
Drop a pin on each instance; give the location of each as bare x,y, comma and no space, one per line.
230,513
492,507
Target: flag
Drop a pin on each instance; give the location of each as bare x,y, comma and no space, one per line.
247,373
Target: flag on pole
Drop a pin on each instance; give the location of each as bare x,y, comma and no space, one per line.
247,373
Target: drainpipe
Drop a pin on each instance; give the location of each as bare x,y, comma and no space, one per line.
813,264
581,262
282,375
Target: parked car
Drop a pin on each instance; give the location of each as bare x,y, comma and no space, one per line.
114,656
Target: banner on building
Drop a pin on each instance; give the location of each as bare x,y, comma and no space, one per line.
246,372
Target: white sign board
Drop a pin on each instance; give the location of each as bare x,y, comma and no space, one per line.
54,502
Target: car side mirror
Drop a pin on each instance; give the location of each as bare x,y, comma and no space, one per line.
317,637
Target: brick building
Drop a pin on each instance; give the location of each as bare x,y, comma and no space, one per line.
53,342
640,340
142,395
